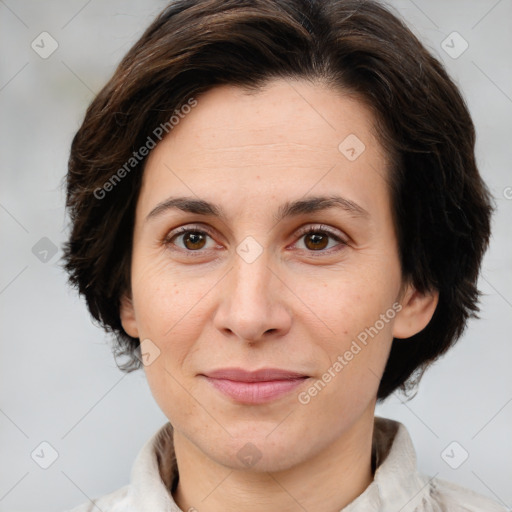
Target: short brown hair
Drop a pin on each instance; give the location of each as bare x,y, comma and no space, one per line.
441,206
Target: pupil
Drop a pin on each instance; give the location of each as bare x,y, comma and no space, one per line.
194,239
317,240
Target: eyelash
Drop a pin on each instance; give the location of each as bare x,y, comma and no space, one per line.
322,230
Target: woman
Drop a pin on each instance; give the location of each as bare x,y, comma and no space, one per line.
276,209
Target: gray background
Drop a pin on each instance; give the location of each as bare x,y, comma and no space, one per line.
59,383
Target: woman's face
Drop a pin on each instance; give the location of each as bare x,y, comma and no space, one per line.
241,314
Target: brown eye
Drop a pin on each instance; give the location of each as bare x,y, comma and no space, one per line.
188,239
194,240
316,241
320,239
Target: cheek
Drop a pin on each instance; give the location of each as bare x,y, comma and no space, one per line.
349,383
357,311
352,300
169,309
169,392
165,301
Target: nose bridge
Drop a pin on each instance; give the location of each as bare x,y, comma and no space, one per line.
251,275
252,303
251,282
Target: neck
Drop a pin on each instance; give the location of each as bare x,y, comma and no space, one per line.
329,481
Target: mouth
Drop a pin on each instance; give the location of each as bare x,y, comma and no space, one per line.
254,387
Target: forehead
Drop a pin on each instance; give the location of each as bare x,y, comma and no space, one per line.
289,133
282,111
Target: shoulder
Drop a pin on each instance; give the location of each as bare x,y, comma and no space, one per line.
454,498
402,487
152,475
117,501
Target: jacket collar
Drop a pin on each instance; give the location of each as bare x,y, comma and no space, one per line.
397,485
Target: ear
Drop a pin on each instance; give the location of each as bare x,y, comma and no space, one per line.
127,314
417,311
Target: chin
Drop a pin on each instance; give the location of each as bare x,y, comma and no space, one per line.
251,458
258,451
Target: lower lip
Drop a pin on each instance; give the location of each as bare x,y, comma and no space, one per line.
255,392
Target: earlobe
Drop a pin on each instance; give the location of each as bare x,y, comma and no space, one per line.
127,314
417,311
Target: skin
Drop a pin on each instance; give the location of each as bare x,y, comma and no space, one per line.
296,306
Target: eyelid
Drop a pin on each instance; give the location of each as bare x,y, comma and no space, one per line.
323,228
190,227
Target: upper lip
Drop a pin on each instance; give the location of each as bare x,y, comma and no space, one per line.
262,375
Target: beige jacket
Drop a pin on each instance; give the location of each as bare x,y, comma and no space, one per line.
397,485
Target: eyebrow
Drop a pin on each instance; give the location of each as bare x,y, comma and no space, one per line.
287,209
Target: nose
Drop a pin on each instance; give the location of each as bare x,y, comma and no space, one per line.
253,305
